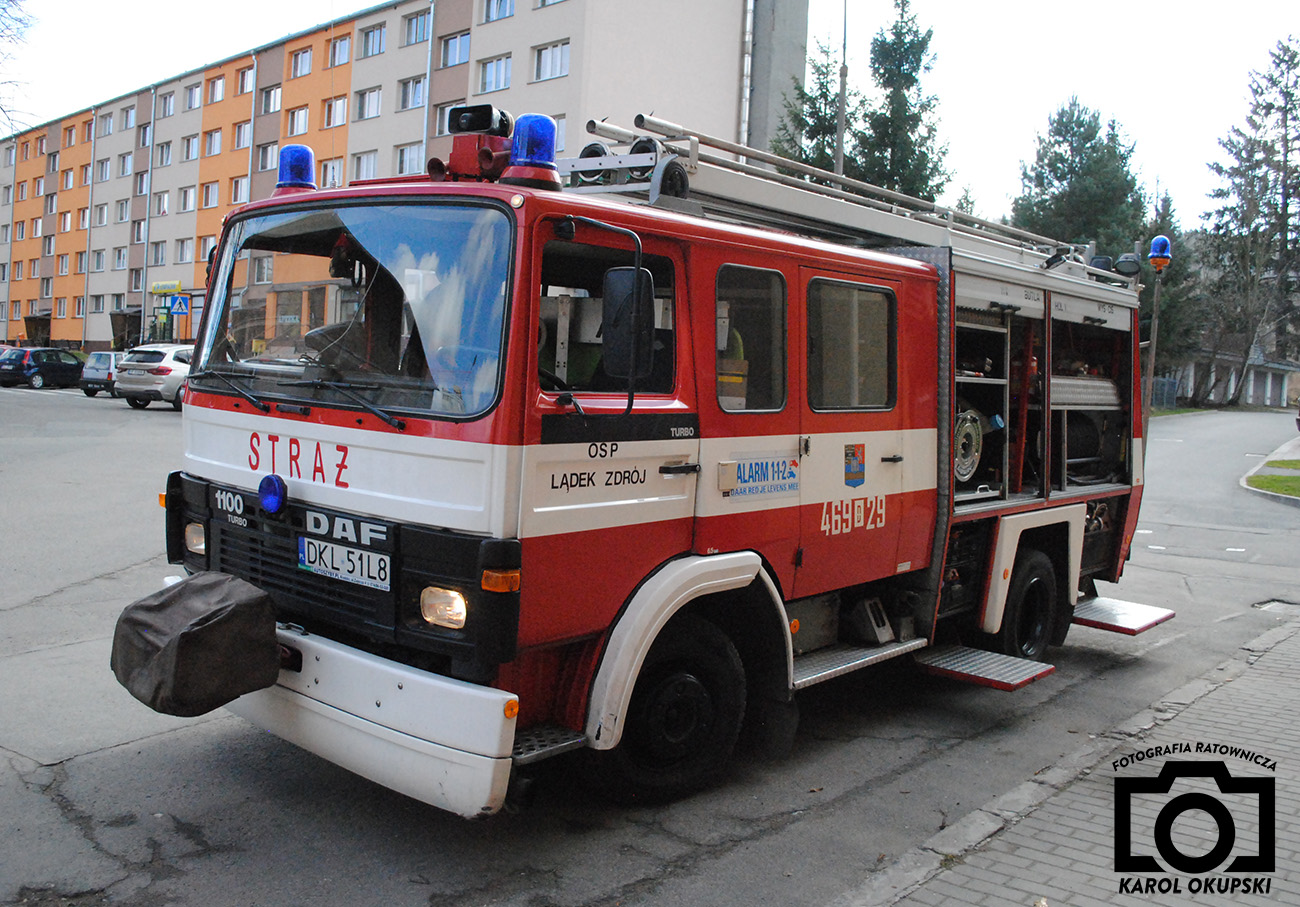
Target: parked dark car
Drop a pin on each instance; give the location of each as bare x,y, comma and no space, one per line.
39,366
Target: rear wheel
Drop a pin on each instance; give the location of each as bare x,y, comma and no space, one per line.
36,381
684,716
89,391
1031,607
137,402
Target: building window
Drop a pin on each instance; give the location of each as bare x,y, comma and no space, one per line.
38,187
142,183
239,190
9,155
97,260
20,231
245,80
81,262
189,148
61,307
442,122
40,139
494,74
455,49
18,270
368,103
335,113
411,93
97,304
65,221
81,307
83,218
137,279
300,63
37,227
163,154
551,61
47,288
410,159
125,164
297,121
415,29
67,179
365,166
271,99
497,9
184,251
161,203
262,269
193,96
128,117
157,254
85,174
206,245
101,215
243,134
340,50
123,210
166,105
331,173
146,135
105,128
211,195
268,156
22,188
63,265
212,142
216,89
187,198
372,41
138,232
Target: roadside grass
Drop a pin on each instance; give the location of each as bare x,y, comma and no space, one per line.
1289,485
1284,464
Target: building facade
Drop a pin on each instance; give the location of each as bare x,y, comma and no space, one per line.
108,214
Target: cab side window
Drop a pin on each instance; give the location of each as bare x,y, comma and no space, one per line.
572,318
750,306
851,346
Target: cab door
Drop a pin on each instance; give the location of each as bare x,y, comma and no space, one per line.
853,457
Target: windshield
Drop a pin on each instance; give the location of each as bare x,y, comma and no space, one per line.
403,305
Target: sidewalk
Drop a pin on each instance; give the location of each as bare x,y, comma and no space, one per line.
1051,841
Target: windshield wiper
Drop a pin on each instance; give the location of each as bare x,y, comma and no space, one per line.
346,389
210,373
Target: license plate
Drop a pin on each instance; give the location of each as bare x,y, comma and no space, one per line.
352,565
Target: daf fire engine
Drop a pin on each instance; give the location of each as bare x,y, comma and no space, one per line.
620,453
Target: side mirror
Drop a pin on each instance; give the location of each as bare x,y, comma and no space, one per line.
628,323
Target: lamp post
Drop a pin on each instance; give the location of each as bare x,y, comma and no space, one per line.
1159,258
840,112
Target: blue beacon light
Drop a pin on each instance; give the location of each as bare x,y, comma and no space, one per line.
272,493
532,153
297,168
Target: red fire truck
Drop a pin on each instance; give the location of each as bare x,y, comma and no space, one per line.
622,452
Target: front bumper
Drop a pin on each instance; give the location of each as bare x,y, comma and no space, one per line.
445,742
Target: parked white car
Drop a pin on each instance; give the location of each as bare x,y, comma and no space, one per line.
155,371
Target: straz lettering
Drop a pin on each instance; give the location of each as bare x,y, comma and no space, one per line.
567,481
345,529
328,461
840,517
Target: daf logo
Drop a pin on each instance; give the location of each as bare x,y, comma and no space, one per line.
345,529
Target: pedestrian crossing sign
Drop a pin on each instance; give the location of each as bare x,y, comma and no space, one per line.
180,305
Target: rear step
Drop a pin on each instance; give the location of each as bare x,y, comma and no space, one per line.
989,669
1119,617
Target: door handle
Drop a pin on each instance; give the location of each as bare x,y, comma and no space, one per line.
678,469
896,458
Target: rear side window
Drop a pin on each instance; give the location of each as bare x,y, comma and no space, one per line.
751,351
851,346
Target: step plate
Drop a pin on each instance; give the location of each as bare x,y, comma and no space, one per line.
989,669
835,661
536,744
1119,617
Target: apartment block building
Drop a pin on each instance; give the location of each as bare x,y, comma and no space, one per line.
107,215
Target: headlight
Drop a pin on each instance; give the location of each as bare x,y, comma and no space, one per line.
443,607
196,538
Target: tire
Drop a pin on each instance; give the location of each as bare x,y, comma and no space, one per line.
137,402
683,719
36,381
177,402
1030,613
89,391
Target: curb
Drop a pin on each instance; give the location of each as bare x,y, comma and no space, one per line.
926,861
1288,451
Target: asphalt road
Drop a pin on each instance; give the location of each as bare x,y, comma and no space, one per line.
105,802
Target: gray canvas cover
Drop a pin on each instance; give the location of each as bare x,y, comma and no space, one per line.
197,645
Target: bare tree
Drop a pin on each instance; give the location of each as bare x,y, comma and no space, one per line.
14,22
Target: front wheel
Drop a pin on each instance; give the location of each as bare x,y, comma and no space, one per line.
137,402
1031,607
683,719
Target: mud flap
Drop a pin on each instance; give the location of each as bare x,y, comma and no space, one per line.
197,645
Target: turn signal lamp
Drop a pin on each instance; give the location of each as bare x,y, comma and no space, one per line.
500,580
297,168
443,607
532,153
272,494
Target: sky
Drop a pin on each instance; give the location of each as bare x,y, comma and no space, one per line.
1175,82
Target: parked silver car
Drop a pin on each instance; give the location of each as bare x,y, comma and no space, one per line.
155,371
100,373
